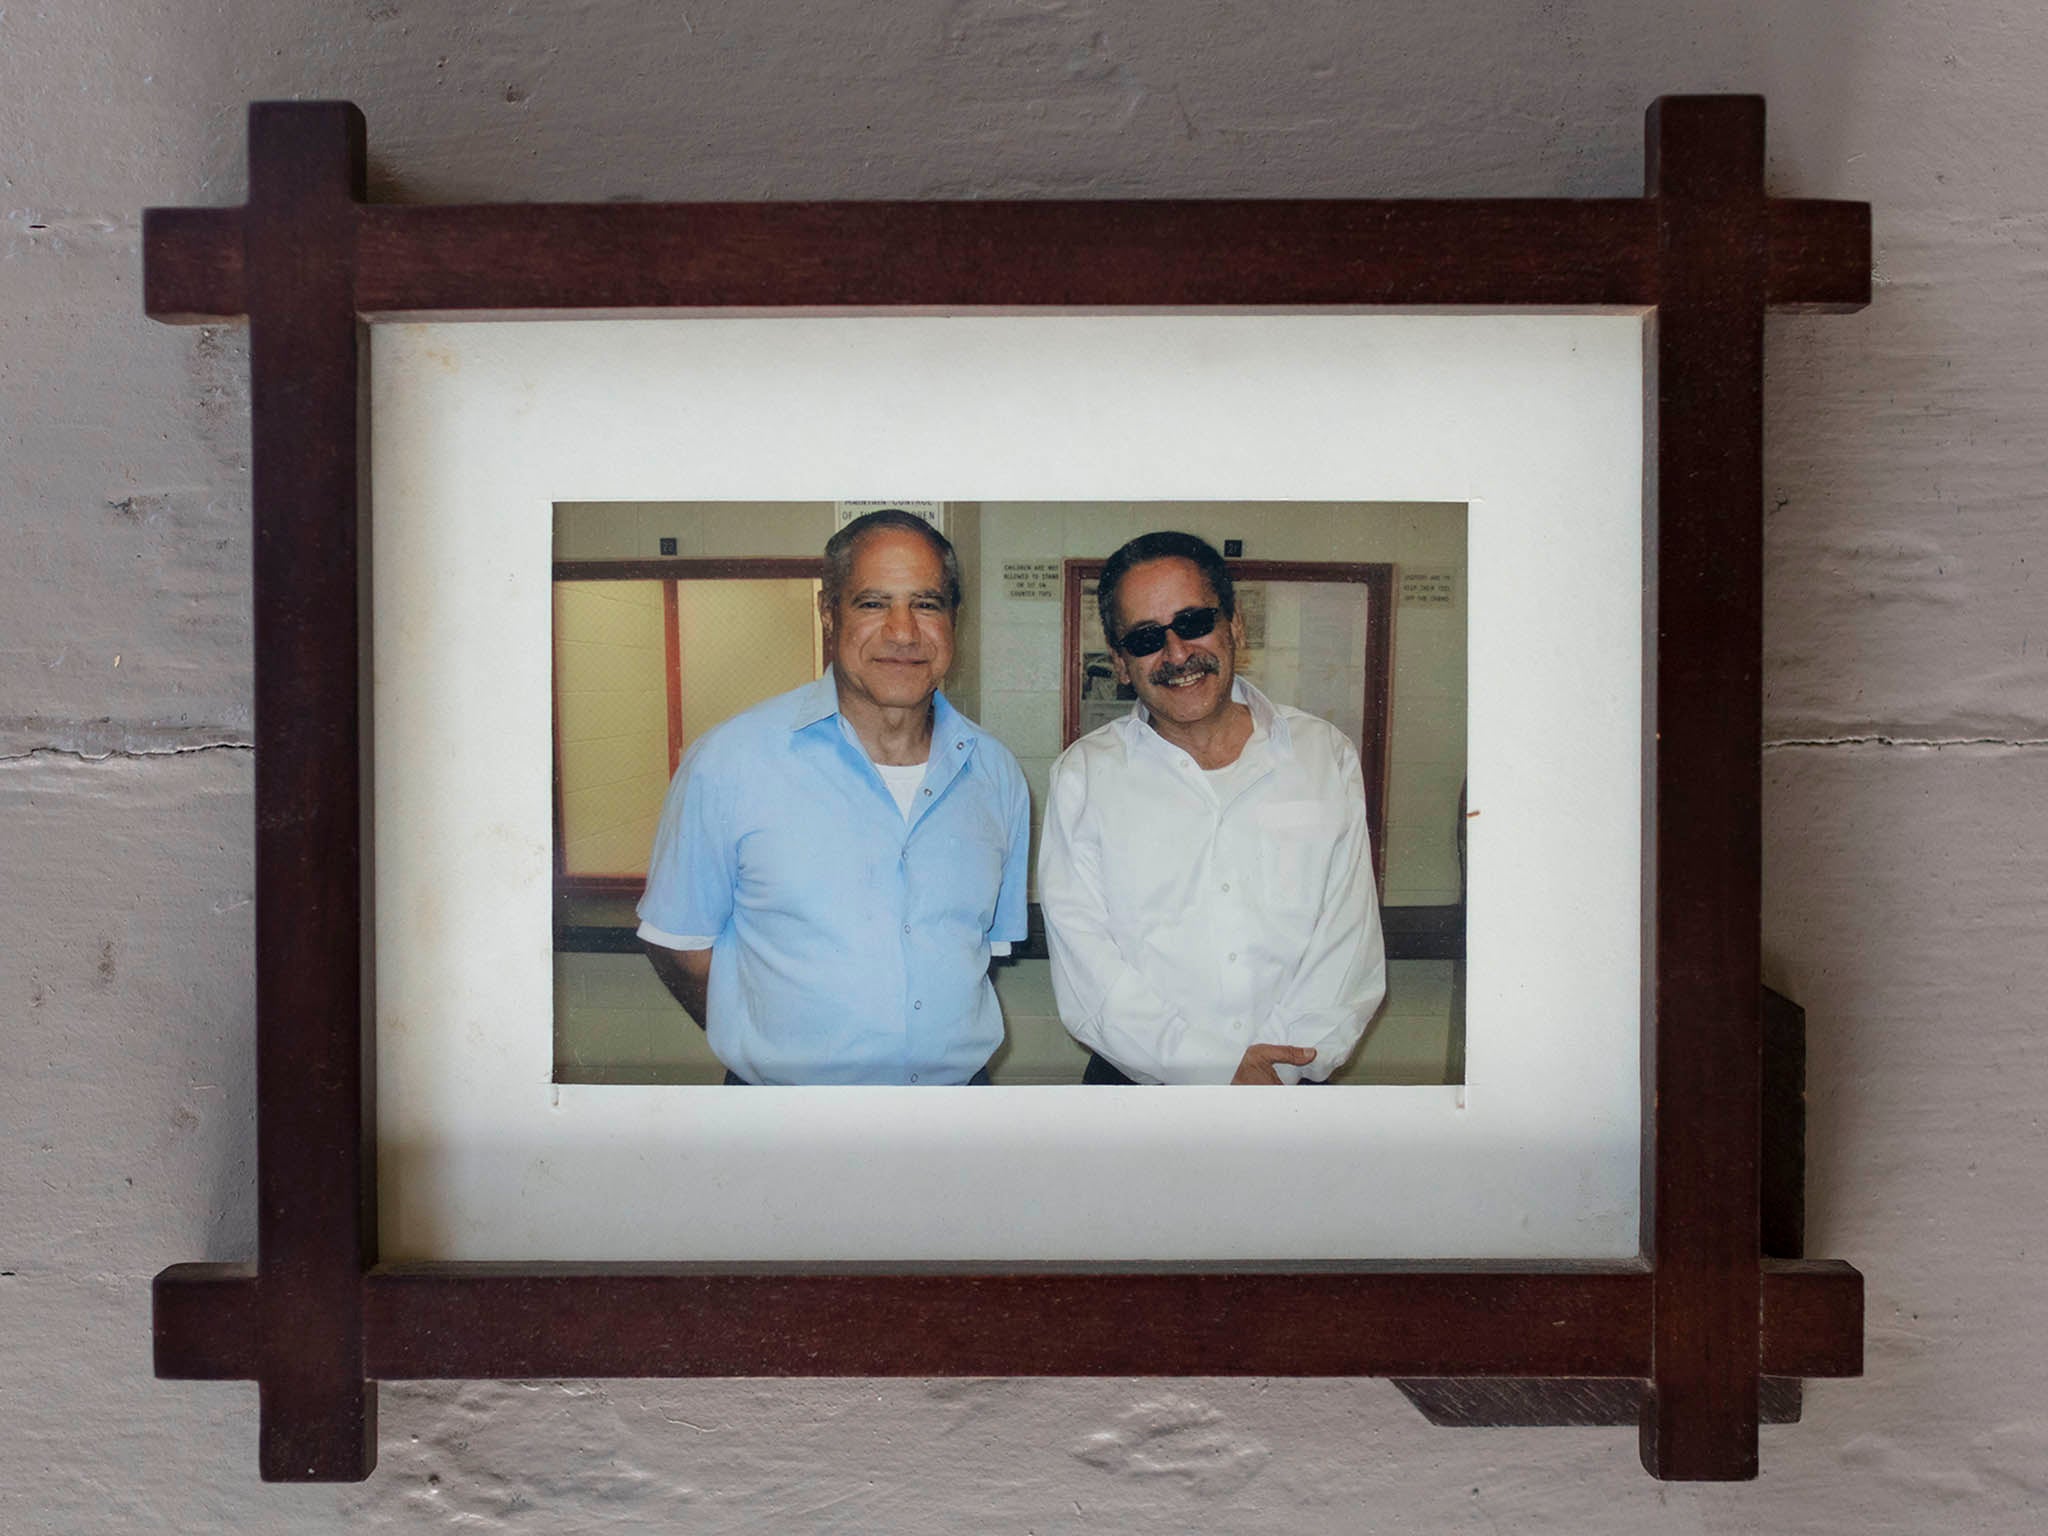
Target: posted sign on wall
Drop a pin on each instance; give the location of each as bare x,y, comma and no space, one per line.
933,512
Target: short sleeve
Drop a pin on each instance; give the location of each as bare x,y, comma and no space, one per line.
1012,924
690,871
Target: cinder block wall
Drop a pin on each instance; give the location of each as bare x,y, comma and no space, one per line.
1907,689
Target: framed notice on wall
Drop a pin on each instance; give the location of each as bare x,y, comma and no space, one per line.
1583,1205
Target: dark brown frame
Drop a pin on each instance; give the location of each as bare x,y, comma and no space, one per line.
1378,581
316,1320
670,569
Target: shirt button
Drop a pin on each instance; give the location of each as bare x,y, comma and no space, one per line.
1233,953
918,1004
1226,885
906,927
913,1077
927,794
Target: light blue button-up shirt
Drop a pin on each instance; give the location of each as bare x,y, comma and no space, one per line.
851,945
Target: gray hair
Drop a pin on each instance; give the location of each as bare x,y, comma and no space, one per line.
840,548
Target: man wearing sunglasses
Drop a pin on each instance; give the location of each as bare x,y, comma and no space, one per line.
1205,870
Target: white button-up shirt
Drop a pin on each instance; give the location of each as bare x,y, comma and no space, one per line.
1191,915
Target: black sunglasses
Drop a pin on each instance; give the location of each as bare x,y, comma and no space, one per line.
1189,624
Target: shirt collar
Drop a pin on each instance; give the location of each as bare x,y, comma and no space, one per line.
819,700
1138,723
815,701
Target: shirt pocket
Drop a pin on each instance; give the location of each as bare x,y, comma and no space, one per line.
1296,840
970,877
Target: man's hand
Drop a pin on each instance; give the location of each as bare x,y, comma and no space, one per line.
1257,1066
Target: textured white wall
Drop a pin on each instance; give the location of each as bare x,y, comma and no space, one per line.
1906,856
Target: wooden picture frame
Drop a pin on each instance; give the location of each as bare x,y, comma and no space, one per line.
1687,1330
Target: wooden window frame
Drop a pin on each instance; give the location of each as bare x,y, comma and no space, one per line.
668,570
1690,1326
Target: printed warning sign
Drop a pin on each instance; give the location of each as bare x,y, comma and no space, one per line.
1429,589
1031,581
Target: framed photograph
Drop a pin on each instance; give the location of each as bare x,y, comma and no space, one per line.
511,445
441,1198
652,652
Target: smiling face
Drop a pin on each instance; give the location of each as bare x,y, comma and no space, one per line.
892,628
1187,683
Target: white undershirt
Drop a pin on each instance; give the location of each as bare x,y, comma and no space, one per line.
903,780
1233,776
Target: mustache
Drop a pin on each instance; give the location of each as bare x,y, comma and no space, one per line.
1200,664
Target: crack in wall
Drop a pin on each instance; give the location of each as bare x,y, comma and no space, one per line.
81,755
60,225
1932,743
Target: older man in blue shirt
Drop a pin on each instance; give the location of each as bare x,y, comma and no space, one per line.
835,867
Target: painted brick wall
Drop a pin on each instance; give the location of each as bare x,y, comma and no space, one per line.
1905,783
